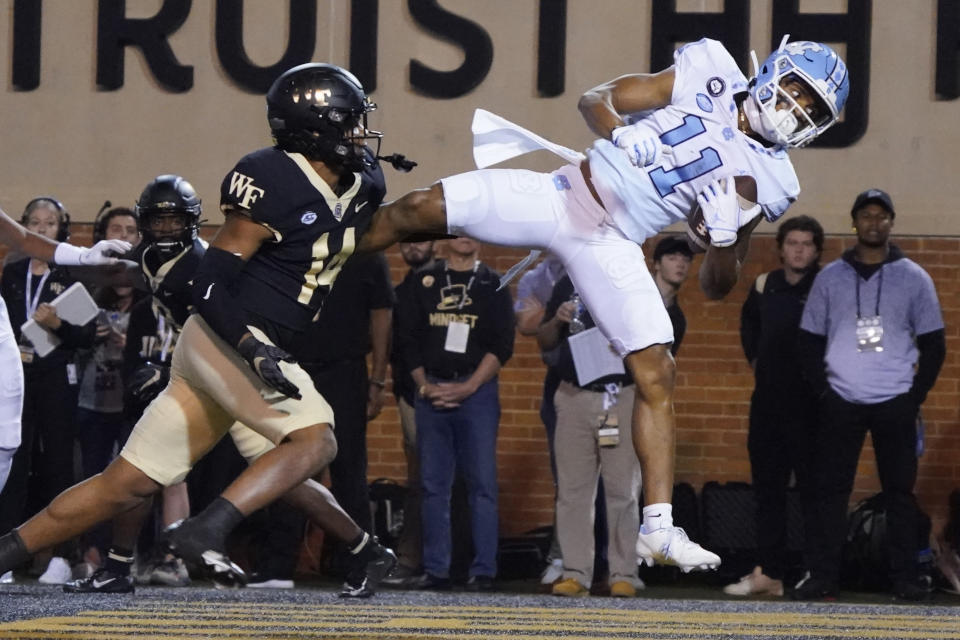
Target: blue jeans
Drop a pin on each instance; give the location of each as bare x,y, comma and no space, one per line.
464,438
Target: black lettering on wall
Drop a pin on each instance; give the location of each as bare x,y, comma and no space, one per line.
115,32
233,56
851,28
364,15
26,44
469,36
947,86
551,48
669,29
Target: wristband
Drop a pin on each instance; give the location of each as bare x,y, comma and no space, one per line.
379,383
67,254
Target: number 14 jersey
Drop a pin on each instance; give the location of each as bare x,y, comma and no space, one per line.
314,231
700,127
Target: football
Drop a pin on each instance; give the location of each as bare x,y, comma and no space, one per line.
697,234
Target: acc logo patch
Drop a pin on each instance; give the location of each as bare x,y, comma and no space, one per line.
704,103
716,86
308,218
428,281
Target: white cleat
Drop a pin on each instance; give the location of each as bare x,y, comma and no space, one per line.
671,546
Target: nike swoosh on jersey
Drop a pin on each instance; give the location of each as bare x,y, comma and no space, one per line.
206,296
361,206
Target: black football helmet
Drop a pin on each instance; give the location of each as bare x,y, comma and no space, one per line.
320,110
169,213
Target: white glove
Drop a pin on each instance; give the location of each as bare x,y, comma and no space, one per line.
70,255
722,213
641,146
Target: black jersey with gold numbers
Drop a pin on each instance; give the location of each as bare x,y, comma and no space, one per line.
314,231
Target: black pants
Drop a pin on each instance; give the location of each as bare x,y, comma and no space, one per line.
344,385
842,428
43,465
780,444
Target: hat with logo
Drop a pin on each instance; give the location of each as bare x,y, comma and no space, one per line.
875,196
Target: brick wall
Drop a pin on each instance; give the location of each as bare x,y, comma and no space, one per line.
712,399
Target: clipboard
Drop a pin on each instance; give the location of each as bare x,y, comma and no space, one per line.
73,305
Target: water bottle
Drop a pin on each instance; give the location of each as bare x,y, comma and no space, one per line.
576,322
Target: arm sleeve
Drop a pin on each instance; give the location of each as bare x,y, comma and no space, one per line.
933,351
811,351
750,325
213,294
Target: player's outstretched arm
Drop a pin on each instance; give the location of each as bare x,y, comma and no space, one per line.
19,239
604,106
419,214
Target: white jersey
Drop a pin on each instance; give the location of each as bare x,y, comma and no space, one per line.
6,331
700,127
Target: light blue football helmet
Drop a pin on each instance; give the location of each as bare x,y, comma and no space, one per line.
815,65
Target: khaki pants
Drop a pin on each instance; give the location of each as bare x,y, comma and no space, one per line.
580,461
211,388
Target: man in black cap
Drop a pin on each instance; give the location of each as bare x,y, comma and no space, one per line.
671,266
871,344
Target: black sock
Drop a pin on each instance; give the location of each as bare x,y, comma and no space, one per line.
220,517
359,544
13,552
119,561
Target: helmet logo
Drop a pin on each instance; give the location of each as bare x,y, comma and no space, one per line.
308,218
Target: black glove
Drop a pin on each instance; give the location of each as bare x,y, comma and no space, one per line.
146,383
265,360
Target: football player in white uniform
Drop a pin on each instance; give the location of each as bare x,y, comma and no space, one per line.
19,240
695,133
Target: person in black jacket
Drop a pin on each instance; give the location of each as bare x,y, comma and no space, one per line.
43,466
458,332
782,409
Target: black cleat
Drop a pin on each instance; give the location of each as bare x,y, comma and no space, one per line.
102,581
201,551
372,565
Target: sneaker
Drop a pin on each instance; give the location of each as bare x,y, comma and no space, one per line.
58,572
480,583
372,565
201,548
916,590
102,581
671,546
400,576
755,584
170,573
623,589
569,587
264,582
7,578
814,588
428,582
553,572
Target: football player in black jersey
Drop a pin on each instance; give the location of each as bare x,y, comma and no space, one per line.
169,212
294,213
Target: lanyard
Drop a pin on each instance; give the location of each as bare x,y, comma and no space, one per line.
473,276
876,311
33,300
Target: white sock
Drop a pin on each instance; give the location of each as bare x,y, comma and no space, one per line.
657,516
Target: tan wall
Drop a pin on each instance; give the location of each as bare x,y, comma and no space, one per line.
85,146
